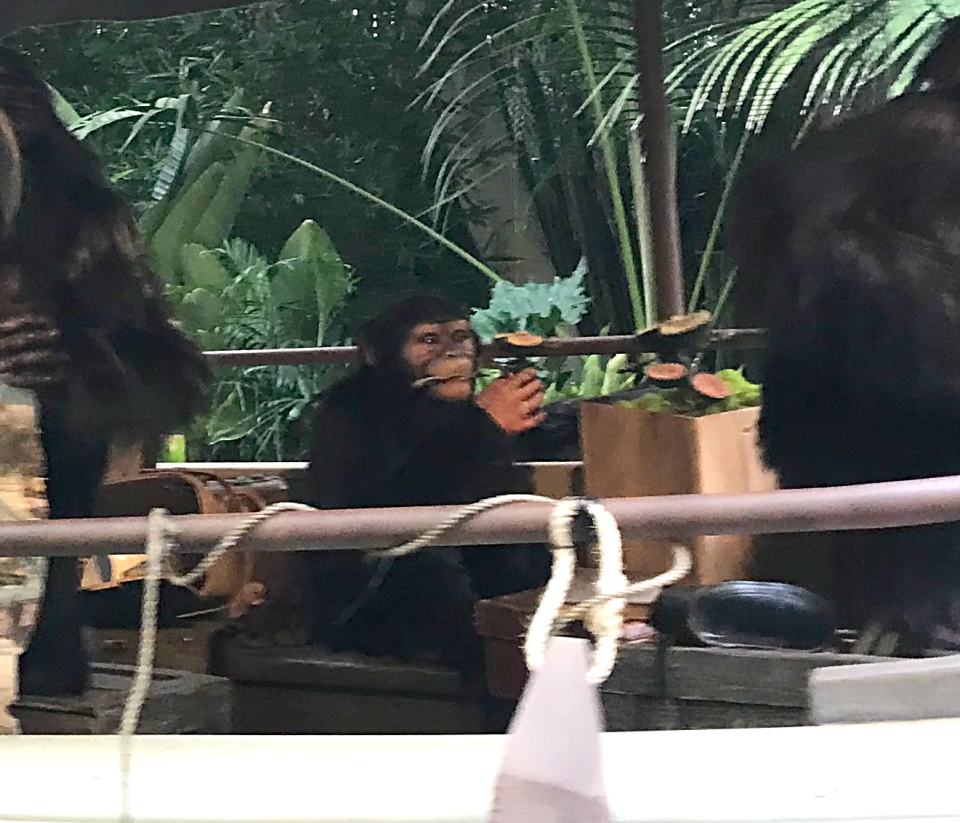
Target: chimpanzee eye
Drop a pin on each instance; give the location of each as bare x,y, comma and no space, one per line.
460,336
430,339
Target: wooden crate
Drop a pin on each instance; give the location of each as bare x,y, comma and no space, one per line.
177,703
306,690
180,649
629,452
705,687
710,688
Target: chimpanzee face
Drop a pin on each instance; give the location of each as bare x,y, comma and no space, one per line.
447,351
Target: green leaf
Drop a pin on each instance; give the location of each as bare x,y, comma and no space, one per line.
201,310
86,126
536,307
311,271
202,269
68,114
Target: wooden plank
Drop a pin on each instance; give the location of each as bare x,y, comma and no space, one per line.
900,690
742,676
177,703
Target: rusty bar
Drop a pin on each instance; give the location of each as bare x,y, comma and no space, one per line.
882,505
657,139
745,339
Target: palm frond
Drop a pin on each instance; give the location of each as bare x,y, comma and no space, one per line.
846,46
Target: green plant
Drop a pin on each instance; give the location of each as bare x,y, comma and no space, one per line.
840,49
560,77
699,394
292,302
538,308
543,309
203,179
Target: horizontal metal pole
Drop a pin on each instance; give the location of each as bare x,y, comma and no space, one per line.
746,339
294,466
883,505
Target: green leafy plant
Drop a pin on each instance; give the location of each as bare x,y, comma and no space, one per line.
840,49
538,308
543,310
551,85
700,394
292,302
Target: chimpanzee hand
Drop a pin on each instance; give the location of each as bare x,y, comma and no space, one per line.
30,354
514,402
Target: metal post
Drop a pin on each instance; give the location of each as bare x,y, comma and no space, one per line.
656,138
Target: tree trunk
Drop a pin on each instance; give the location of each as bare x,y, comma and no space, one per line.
509,236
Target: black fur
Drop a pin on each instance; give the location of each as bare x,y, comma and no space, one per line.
849,247
84,324
378,442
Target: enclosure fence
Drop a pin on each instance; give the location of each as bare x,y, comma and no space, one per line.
872,506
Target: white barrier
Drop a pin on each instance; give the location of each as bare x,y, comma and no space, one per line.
887,772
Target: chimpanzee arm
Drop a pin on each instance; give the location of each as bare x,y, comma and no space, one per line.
129,369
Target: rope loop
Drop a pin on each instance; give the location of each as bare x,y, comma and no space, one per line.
601,614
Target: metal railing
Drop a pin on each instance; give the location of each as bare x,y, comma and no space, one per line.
881,505
743,339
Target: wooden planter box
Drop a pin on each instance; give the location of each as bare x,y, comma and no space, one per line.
629,452
502,623
705,688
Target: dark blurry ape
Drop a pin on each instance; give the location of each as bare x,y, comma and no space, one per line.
407,430
83,324
851,246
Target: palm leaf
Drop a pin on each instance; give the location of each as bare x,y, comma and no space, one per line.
854,44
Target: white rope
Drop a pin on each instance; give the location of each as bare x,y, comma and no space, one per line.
459,517
160,531
602,614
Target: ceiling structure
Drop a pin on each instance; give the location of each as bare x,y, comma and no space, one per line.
18,14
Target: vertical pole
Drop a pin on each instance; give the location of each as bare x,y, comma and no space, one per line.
657,139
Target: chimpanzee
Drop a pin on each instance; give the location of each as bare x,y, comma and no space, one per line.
84,325
407,430
850,244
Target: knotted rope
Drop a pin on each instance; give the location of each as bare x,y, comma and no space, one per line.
602,614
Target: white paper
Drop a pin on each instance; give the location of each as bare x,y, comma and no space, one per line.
552,768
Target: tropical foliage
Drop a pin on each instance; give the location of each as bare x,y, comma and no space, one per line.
826,54
538,93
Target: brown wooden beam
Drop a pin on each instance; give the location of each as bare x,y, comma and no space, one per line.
19,14
736,339
657,140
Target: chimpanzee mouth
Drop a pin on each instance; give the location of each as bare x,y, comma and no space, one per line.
447,378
